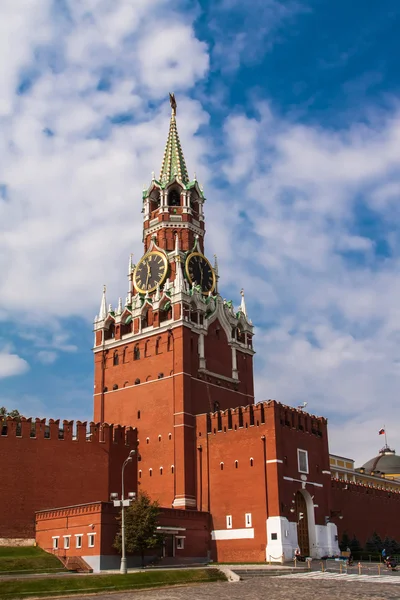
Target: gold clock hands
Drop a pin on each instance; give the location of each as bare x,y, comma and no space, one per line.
148,273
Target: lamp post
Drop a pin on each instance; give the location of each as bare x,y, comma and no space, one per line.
122,504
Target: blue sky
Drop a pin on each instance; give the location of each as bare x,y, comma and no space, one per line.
288,113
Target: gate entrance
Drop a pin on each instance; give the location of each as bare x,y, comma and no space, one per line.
302,524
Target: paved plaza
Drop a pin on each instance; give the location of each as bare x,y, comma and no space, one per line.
307,586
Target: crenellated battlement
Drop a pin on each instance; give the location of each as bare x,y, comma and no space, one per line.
256,414
297,418
356,487
67,431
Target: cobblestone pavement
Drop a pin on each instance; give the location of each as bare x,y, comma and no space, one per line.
270,588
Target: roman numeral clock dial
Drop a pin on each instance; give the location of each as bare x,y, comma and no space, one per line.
200,272
150,271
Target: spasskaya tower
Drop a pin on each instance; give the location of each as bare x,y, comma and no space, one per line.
175,348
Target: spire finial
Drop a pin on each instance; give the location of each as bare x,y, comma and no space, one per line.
243,303
172,102
173,162
103,305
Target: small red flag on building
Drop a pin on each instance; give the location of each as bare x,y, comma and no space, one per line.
381,431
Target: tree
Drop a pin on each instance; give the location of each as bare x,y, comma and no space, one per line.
390,546
8,413
141,520
345,542
355,545
374,544
4,413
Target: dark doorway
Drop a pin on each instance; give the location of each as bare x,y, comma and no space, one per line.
168,546
302,524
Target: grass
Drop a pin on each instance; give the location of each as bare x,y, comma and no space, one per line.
26,560
58,586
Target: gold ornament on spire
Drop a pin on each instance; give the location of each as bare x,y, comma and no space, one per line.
172,101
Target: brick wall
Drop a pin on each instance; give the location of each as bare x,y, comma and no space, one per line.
40,470
247,463
100,519
365,510
161,407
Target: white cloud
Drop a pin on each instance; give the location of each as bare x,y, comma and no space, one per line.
285,226
170,57
23,26
71,176
244,32
11,364
329,332
47,357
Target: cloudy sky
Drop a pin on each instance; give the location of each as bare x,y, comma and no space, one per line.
289,114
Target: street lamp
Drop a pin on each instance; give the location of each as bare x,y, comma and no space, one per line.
122,504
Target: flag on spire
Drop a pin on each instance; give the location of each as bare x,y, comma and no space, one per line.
381,432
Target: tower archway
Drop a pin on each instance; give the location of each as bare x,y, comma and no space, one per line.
305,518
302,524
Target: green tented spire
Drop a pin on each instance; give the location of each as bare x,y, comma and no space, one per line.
173,162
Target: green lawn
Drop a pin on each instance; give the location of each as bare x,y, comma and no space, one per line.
27,560
57,586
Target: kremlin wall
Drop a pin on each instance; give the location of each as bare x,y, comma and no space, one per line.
237,481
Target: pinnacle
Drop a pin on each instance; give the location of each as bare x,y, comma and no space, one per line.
103,305
173,162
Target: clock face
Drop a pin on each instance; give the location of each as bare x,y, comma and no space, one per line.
150,271
200,272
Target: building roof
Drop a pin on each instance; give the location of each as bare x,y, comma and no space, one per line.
173,164
387,462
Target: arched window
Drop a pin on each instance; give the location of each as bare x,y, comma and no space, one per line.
109,333
138,414
159,438
236,464
221,466
172,468
170,436
150,472
147,440
146,348
174,198
140,474
170,341
115,359
251,462
125,355
158,342
136,352
161,470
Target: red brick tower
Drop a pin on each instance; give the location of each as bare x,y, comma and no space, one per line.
176,349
